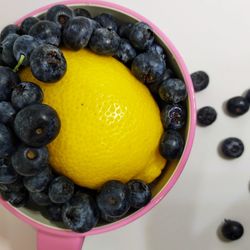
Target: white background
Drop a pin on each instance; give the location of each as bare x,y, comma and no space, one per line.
213,35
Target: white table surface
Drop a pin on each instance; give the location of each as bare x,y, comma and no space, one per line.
213,35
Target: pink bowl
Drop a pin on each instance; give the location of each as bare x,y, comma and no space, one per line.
53,237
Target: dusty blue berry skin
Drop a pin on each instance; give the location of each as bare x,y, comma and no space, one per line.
154,88
60,14
7,112
141,36
206,116
173,116
7,141
7,173
81,12
104,41
171,144
148,68
47,63
139,193
232,147
113,201
107,21
7,50
8,80
54,212
158,50
61,189
37,125
46,32
125,52
26,93
173,90
200,80
80,213
16,186
237,105
77,32
39,182
16,198
124,30
24,45
9,29
40,198
29,161
27,23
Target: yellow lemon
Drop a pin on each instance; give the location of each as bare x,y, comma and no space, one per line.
110,124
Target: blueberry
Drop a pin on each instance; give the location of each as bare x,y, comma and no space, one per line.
81,12
7,173
247,96
39,182
232,147
158,50
47,63
37,125
54,212
173,116
28,161
80,214
61,189
46,32
77,32
141,36
113,201
124,30
104,41
237,105
206,115
6,141
7,112
125,53
10,29
107,21
139,193
2,63
173,90
60,14
148,68
232,230
7,50
8,79
26,93
16,186
171,144
27,23
200,80
40,198
154,88
16,199
23,46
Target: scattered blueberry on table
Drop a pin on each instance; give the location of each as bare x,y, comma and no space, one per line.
206,115
232,147
232,230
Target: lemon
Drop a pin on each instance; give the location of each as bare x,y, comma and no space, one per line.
110,124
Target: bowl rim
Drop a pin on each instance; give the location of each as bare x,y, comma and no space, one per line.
190,135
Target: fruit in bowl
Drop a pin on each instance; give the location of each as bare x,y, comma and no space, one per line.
90,97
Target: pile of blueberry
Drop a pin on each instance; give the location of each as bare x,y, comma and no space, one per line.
27,126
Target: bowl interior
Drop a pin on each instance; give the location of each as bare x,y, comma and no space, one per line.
165,177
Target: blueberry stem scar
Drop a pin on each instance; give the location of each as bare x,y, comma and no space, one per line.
20,62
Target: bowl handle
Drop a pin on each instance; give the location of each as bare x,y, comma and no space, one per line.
49,241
